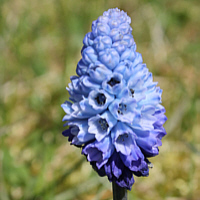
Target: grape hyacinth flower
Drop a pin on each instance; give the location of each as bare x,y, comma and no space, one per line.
114,113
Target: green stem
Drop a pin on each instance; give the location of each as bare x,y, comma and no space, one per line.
119,193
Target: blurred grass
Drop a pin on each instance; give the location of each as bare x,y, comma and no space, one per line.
40,43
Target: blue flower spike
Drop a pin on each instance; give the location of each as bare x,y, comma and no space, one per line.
114,114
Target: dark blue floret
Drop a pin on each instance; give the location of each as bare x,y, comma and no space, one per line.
114,113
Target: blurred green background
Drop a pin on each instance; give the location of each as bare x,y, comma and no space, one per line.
40,43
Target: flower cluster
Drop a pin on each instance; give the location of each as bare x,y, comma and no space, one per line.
114,113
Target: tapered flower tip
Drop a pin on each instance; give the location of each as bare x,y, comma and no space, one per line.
114,113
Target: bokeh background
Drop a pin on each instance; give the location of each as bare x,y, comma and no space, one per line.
40,43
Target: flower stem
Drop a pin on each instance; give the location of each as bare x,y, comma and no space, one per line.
119,193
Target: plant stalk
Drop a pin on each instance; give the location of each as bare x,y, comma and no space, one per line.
119,193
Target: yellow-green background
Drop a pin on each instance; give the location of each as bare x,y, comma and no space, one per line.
40,43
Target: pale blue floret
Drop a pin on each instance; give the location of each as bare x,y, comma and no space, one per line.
109,57
114,83
101,125
102,42
89,55
98,72
124,109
